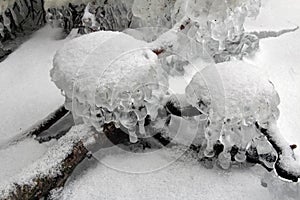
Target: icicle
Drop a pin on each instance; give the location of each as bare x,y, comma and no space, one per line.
141,113
68,14
50,19
89,18
224,159
142,127
21,8
238,19
125,101
6,22
219,33
202,34
15,18
108,116
253,7
129,121
103,97
60,19
1,29
212,135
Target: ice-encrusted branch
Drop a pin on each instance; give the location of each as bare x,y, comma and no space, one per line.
169,39
270,34
286,165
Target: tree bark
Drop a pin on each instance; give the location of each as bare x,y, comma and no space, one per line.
42,185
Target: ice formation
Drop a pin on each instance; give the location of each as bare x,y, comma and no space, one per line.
218,20
4,6
110,77
130,84
18,17
243,98
93,15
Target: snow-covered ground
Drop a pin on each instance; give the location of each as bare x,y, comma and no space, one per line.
27,95
280,59
180,180
16,157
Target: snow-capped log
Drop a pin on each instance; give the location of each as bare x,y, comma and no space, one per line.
50,171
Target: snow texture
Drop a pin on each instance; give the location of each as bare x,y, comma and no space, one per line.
182,179
244,91
24,75
18,156
50,163
278,57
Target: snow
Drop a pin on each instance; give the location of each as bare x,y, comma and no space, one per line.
17,156
270,11
279,59
244,90
92,57
179,180
27,94
287,160
48,164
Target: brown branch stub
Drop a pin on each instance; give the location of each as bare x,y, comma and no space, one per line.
158,51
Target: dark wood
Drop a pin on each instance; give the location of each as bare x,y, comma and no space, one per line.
48,121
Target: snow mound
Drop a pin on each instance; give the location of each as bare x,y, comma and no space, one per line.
243,91
89,56
69,59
